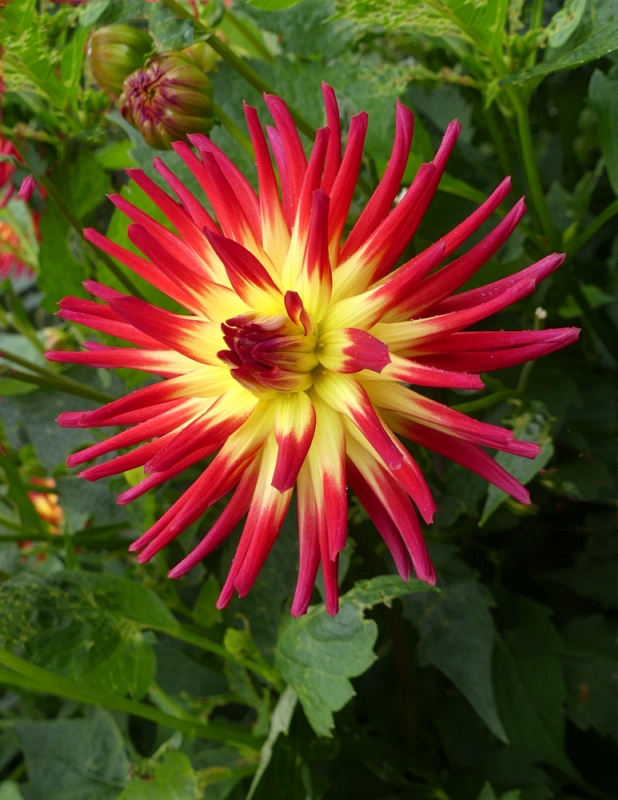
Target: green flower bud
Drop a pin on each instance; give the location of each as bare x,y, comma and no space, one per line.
116,51
203,55
167,99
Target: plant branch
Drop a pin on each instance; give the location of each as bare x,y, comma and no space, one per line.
190,637
597,223
61,384
36,679
531,169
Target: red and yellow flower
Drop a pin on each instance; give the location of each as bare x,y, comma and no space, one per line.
295,363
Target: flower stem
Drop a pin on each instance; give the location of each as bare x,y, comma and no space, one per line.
61,384
243,69
242,27
520,108
188,636
597,223
27,676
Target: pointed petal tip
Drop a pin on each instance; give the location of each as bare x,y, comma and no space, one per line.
143,558
332,607
134,547
70,419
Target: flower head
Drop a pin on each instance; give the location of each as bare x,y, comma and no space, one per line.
167,99
295,364
115,52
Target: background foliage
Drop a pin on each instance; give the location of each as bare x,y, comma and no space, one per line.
504,683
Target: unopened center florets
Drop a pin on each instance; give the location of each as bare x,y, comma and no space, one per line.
269,352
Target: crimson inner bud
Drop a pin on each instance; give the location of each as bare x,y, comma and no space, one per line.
270,352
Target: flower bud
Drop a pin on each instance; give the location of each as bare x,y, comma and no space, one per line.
167,99
115,52
203,55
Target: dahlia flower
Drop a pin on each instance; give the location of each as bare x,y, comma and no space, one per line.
295,363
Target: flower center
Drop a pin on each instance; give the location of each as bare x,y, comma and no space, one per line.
269,352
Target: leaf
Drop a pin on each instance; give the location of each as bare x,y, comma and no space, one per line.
9,790
478,21
603,97
598,38
71,65
172,778
85,183
457,632
205,612
61,274
528,684
564,22
595,573
85,626
318,654
591,673
169,31
532,425
487,793
73,759
29,413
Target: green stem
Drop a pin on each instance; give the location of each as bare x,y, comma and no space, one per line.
233,130
48,373
25,533
597,223
497,138
62,384
243,69
36,679
190,637
536,21
246,31
486,402
531,169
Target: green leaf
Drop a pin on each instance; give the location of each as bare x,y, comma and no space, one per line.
85,183
61,273
564,22
85,626
73,759
71,64
205,612
591,673
597,38
9,790
595,573
457,632
532,425
318,654
478,21
29,413
603,97
487,793
273,5
528,684
172,778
